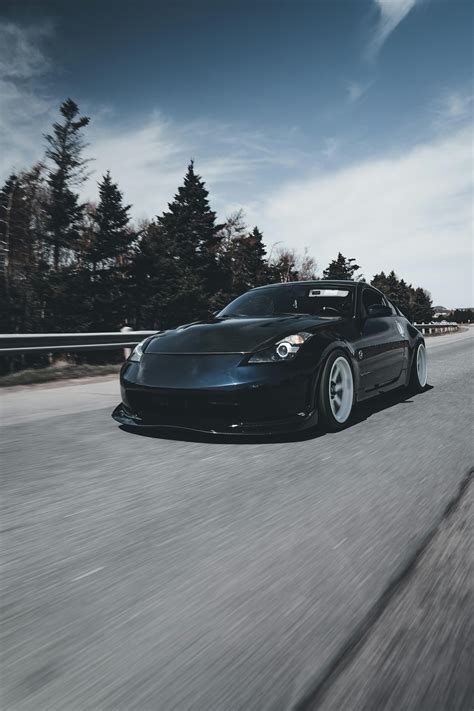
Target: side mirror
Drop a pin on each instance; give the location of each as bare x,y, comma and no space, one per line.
378,310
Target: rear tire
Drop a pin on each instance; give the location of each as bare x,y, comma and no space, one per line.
336,392
419,370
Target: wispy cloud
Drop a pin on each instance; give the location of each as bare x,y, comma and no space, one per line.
355,90
390,14
24,109
454,107
410,212
149,159
331,147
21,56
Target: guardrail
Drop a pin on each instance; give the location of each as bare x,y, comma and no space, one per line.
69,342
111,340
431,329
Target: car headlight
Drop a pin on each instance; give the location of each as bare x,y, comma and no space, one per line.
137,352
284,350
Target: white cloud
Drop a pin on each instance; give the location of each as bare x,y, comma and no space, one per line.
410,212
24,111
391,13
149,160
20,54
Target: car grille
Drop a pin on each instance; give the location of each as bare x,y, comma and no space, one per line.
155,406
260,405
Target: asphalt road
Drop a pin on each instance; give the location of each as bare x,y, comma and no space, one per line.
419,654
189,573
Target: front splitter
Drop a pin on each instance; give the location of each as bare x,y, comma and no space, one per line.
295,423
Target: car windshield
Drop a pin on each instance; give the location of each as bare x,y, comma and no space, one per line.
312,299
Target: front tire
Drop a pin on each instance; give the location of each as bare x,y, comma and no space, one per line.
336,392
419,369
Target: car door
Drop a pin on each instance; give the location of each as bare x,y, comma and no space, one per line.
382,346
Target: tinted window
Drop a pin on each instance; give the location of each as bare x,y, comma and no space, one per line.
312,299
370,297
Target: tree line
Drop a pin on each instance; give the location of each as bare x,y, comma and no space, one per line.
67,265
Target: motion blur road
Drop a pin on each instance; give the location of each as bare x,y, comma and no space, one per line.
178,572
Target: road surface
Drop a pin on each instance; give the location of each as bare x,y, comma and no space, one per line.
173,572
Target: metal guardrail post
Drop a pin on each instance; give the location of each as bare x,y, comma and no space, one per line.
126,351
430,329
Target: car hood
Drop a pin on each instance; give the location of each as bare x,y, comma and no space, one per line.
233,335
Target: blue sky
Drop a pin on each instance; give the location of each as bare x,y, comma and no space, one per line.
336,125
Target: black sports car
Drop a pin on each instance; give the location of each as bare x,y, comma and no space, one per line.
278,358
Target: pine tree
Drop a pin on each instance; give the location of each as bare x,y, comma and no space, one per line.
422,306
341,268
165,292
17,252
404,298
190,226
247,260
111,235
388,285
64,147
12,228
380,282
415,304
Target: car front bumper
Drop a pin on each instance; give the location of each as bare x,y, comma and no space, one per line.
216,394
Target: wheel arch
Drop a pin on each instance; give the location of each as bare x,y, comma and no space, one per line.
412,350
325,353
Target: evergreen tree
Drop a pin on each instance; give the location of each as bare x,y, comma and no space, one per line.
12,228
165,292
103,269
18,250
415,304
422,306
404,298
233,229
190,226
64,147
341,268
461,316
247,259
111,234
380,282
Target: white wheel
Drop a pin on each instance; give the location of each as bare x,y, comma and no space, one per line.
421,365
341,390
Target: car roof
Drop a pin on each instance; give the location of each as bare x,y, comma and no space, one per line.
310,282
